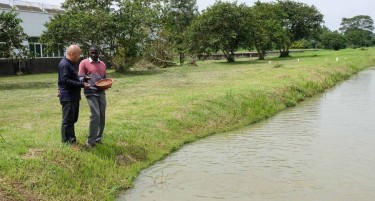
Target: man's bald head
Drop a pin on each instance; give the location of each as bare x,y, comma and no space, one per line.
73,53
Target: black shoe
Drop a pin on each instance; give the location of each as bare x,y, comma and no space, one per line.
73,141
99,142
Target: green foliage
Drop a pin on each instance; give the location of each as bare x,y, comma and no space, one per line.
299,21
160,51
359,22
122,32
218,28
359,38
305,44
358,31
261,22
93,26
136,23
333,40
177,16
132,30
11,35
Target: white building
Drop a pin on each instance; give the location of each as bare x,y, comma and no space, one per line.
33,16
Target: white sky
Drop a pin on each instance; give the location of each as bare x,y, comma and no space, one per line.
333,10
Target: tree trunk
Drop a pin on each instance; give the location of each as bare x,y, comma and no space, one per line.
229,56
261,54
182,58
284,53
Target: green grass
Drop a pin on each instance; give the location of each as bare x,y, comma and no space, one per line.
149,115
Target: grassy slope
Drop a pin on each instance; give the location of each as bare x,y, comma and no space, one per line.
149,115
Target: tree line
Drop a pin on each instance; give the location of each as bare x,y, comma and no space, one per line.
158,30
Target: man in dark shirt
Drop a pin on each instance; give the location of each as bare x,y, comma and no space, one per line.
70,92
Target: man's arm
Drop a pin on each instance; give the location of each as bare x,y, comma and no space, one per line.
66,78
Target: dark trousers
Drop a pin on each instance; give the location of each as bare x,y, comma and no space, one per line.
70,110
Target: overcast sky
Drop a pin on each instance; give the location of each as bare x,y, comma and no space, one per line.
333,10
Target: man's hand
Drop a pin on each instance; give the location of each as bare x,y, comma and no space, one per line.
86,85
86,78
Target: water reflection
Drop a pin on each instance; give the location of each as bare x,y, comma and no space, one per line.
320,150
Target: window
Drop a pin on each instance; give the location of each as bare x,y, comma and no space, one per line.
56,53
38,52
32,49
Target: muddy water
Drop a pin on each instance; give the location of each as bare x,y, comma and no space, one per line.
323,149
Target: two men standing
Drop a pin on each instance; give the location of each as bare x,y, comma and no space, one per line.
70,84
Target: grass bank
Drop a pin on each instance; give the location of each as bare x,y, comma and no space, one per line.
149,115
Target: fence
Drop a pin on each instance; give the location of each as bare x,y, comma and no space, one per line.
241,55
33,66
50,65
222,56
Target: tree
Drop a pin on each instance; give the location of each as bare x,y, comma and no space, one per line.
333,40
359,22
299,21
261,23
358,30
136,21
359,38
218,29
121,32
178,15
94,26
11,35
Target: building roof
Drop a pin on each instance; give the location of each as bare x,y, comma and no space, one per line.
54,11
5,6
27,6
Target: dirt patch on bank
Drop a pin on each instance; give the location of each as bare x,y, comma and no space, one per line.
5,196
12,191
32,153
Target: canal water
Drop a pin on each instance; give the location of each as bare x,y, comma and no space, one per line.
323,149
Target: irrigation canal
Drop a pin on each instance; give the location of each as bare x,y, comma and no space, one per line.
322,149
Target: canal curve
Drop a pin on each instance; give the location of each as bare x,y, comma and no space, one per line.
322,149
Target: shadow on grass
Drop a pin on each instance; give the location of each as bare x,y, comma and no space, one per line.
26,85
249,62
114,74
304,56
242,62
266,60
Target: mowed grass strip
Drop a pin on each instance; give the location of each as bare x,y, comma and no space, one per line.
150,114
